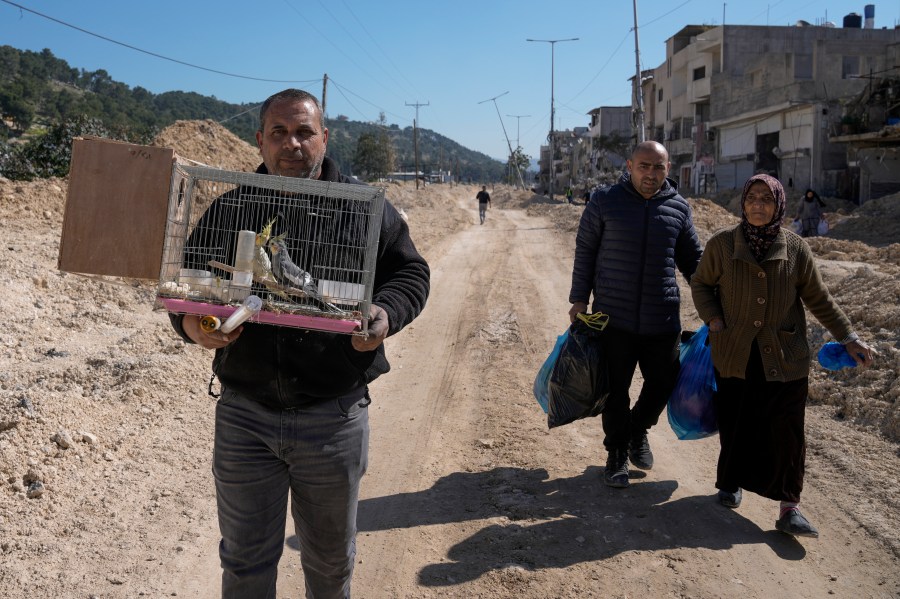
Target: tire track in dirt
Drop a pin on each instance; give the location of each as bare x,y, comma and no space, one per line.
441,349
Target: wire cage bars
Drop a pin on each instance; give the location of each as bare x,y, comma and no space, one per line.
306,248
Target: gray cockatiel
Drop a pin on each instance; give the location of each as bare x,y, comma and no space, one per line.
292,276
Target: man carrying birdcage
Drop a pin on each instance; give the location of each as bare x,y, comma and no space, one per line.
292,417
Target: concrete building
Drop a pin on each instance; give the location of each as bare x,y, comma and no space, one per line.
610,135
733,100
569,161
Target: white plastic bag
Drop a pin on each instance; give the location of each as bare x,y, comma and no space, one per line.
823,226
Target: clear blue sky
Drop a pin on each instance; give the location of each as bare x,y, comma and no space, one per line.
383,55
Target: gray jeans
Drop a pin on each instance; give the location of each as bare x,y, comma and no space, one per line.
318,454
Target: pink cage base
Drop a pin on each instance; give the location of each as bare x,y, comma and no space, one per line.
300,321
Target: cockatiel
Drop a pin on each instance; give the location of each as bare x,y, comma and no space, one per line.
262,266
292,276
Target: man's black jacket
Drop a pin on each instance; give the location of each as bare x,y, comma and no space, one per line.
626,253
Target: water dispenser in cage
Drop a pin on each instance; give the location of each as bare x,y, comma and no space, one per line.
306,248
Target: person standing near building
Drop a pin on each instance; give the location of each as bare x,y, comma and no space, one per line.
631,239
292,420
570,194
751,287
484,201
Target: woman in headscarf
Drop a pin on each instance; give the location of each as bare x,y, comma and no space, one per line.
809,213
750,288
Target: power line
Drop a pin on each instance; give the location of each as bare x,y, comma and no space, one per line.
352,37
340,87
339,49
377,45
154,54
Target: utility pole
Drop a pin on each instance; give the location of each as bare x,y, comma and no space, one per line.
416,152
416,138
494,100
552,111
638,85
518,117
324,90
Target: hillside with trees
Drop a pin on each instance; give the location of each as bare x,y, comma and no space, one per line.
44,102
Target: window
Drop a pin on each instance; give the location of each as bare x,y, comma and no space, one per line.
700,73
659,95
701,112
803,66
849,67
668,110
669,67
756,78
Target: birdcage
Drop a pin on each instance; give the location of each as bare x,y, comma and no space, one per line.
305,248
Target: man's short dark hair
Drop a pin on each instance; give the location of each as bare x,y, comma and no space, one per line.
297,95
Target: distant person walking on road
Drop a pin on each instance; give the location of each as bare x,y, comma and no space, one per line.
569,194
484,200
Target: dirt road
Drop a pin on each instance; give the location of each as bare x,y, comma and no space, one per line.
468,494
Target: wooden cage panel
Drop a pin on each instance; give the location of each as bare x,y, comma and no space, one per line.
116,208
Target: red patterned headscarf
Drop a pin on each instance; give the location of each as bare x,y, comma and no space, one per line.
760,238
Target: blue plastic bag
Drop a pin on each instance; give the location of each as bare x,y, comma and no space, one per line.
835,356
541,387
691,411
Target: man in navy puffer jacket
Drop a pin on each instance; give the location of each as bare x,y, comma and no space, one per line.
631,239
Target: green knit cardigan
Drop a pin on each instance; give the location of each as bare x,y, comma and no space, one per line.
763,301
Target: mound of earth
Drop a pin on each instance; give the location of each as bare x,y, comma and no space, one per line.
210,144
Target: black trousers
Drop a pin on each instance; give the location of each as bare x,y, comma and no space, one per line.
657,356
761,432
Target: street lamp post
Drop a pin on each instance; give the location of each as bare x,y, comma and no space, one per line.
552,111
505,136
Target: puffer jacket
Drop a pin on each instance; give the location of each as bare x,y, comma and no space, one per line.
285,367
626,253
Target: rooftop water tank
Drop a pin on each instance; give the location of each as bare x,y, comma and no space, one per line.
853,20
869,13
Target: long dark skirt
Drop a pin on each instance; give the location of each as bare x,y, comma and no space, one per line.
761,431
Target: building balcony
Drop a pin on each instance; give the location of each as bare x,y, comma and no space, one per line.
699,90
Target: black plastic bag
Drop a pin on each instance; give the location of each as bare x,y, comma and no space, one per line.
579,384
